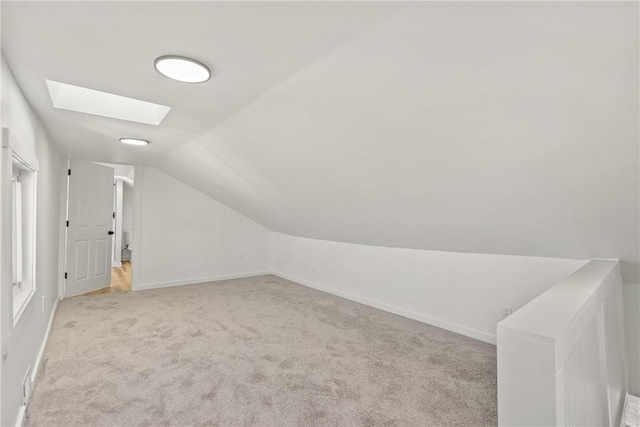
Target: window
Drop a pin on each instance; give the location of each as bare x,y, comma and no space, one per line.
18,197
23,237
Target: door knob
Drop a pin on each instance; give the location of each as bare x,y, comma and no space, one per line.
110,233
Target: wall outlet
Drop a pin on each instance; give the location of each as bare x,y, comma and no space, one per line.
241,257
314,270
44,303
506,311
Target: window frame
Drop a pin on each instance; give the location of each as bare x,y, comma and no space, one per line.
23,255
17,233
17,159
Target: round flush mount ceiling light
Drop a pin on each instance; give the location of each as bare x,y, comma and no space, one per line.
182,69
134,141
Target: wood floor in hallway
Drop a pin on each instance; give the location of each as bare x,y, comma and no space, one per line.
120,280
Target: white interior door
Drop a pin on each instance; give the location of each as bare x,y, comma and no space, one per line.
89,231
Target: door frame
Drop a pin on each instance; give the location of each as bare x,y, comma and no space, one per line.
64,221
136,226
116,256
138,181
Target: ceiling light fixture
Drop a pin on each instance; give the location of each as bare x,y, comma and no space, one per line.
134,141
182,69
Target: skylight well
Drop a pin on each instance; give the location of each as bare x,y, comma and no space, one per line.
82,100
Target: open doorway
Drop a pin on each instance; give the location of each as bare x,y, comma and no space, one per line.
122,224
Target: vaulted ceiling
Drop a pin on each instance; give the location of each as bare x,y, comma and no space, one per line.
507,128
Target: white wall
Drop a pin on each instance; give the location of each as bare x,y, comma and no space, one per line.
483,127
458,291
188,237
26,339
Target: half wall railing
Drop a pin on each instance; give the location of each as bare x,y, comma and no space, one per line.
561,357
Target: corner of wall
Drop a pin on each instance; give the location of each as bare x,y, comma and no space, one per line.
217,241
272,251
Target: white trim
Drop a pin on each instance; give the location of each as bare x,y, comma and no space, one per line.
22,299
199,280
124,178
116,244
45,341
22,412
21,416
24,154
32,215
453,327
64,216
15,307
137,226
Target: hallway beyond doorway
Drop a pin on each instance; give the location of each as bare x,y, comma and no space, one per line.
120,280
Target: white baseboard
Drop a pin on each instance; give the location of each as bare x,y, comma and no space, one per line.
197,280
116,264
22,412
38,362
21,416
453,327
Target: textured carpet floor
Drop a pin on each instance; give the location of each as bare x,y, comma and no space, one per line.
261,351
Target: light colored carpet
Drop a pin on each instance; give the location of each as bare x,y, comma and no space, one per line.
261,351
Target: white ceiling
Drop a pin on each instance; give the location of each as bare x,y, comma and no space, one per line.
477,127
111,47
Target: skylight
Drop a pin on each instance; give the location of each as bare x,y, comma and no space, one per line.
89,101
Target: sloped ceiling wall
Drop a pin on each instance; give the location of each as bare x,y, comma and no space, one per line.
488,127
110,46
